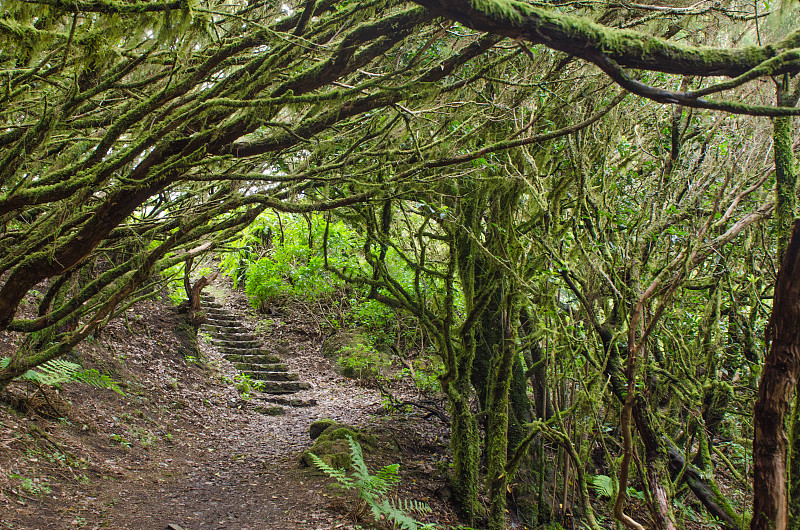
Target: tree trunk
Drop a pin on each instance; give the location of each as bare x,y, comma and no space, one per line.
465,445
778,381
195,316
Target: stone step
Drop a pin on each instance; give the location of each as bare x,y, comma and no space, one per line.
283,387
228,350
245,352
268,367
262,375
234,334
227,343
257,359
217,309
226,327
272,410
222,319
237,340
229,329
292,402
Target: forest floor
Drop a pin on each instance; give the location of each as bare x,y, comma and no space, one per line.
182,447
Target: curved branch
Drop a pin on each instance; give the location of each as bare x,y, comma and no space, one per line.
693,99
586,39
109,6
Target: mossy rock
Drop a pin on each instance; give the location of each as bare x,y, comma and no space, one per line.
319,426
335,453
368,442
332,444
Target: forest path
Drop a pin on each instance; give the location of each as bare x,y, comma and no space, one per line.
183,447
240,470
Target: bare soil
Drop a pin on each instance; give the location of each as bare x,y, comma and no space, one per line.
182,447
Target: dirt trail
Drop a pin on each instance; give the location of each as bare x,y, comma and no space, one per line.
181,447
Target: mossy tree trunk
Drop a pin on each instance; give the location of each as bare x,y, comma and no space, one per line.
776,504
778,382
785,214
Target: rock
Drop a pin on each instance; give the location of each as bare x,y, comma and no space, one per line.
335,453
319,426
332,444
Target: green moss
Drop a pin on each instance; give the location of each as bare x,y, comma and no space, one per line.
319,426
332,444
583,37
786,182
509,10
338,433
335,453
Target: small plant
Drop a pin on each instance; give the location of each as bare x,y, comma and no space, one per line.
32,486
603,485
374,489
245,385
119,439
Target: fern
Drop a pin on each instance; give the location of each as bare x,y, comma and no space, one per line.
373,489
411,505
59,371
603,485
339,474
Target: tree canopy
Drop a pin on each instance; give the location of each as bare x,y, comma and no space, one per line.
552,189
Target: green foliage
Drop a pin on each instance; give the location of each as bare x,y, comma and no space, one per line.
173,276
361,360
425,375
374,489
284,257
59,371
370,314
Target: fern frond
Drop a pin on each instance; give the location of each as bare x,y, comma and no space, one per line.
53,372
398,516
387,478
603,485
373,489
338,474
359,466
411,505
96,379
59,371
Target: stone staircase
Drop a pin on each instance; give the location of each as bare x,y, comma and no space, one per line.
246,352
